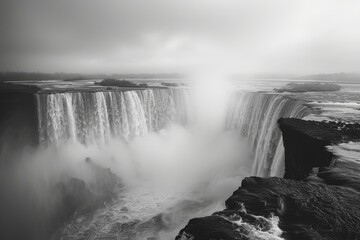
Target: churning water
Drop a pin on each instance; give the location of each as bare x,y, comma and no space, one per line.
179,153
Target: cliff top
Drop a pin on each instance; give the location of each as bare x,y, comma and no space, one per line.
331,132
21,88
61,86
315,200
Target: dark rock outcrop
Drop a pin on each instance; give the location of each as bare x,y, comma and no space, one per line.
305,210
18,121
78,197
169,84
29,214
305,143
319,202
117,83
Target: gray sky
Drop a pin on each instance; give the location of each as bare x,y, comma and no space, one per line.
114,36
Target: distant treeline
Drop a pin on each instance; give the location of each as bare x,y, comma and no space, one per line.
340,77
35,76
117,82
309,87
147,75
20,76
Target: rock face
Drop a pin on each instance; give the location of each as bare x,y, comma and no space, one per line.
317,199
18,120
77,196
26,215
305,143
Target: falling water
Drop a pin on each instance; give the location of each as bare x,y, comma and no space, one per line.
96,117
131,133
255,116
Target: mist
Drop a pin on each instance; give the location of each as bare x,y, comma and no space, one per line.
141,160
180,171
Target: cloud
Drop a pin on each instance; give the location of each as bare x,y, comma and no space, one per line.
161,35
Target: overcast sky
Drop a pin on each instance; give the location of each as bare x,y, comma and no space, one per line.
115,36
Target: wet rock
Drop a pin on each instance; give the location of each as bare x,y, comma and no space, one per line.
317,199
305,211
210,227
305,143
76,197
105,181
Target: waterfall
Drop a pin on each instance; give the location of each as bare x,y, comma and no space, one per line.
152,165
255,115
95,117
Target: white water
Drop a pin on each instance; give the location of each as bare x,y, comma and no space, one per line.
255,116
179,156
169,177
97,117
349,151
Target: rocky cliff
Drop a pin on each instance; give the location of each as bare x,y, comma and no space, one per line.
316,199
18,121
305,143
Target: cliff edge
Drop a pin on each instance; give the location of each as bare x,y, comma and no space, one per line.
316,199
305,143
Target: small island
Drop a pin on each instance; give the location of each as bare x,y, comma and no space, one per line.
309,87
168,84
117,83
316,199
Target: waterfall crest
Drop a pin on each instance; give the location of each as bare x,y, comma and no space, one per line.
182,155
254,116
95,117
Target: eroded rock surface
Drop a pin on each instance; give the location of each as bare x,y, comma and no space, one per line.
305,143
317,199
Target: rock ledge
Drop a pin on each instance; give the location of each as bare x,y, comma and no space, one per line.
316,199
